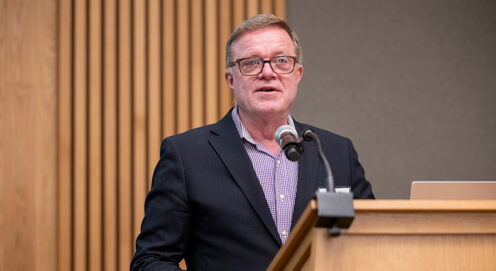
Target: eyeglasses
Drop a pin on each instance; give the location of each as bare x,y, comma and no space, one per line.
254,65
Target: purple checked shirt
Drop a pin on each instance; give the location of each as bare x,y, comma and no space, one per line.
277,175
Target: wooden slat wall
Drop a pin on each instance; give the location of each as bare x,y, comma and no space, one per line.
131,72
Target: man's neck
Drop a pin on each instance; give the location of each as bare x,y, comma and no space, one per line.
262,129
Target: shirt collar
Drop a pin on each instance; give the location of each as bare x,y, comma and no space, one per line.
243,132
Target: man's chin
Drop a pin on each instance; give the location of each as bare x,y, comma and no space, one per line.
273,110
266,109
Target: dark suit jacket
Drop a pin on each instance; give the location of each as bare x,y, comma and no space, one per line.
206,203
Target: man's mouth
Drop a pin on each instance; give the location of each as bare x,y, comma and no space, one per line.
266,89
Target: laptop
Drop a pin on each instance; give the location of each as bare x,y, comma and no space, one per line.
453,190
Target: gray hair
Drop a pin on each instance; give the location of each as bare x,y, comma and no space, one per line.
258,22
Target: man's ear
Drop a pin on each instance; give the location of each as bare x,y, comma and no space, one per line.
299,70
229,79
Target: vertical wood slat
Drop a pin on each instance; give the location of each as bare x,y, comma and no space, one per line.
95,136
252,8
225,29
65,245
266,7
197,100
80,139
154,91
183,83
110,138
125,145
169,72
239,13
139,111
211,61
280,8
163,73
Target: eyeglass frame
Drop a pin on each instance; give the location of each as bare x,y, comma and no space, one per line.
295,59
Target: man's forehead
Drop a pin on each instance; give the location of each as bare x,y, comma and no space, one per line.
244,41
260,32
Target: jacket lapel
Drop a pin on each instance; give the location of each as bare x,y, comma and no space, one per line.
229,147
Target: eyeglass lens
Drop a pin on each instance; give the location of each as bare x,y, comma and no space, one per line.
279,64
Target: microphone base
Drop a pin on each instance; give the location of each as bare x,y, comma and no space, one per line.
335,210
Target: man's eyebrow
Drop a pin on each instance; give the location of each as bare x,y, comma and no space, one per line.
250,56
279,53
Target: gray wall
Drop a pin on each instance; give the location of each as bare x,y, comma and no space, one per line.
412,83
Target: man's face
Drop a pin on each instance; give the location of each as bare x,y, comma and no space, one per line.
267,92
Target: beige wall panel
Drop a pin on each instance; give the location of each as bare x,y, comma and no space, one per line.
139,113
412,85
17,196
169,73
45,133
110,140
197,64
211,61
225,29
183,67
80,139
65,135
95,136
126,232
28,149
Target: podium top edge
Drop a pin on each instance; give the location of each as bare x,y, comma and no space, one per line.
424,205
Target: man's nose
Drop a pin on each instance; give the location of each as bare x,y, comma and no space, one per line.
267,71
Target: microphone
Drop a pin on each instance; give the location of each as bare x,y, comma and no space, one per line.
287,138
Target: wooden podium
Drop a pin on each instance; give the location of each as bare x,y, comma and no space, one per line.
397,235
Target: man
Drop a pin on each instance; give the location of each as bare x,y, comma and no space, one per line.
224,196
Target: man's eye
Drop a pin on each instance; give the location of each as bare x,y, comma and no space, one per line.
251,62
282,60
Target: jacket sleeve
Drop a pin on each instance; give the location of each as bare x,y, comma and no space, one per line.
165,229
360,187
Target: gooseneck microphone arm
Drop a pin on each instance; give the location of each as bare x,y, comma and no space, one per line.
309,135
335,209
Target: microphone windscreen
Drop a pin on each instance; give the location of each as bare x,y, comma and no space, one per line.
282,130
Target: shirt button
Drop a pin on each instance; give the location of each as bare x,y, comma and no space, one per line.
281,196
284,233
